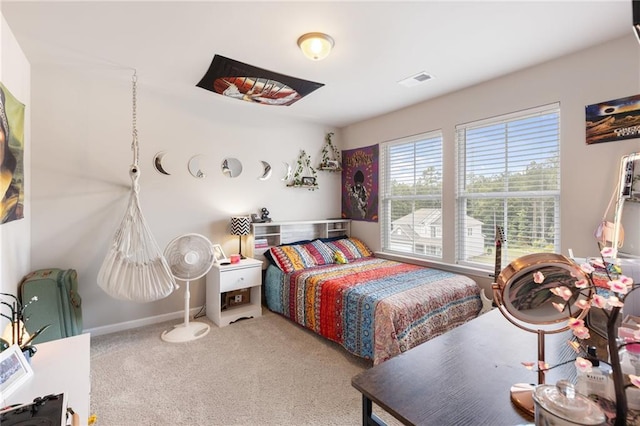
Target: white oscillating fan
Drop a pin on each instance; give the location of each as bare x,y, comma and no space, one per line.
190,257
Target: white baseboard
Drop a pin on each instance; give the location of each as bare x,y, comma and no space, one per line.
127,325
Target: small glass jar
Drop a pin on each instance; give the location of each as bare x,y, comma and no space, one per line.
561,405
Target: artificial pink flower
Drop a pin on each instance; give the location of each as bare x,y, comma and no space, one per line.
528,365
581,332
559,306
614,302
583,365
597,262
628,281
635,380
582,283
607,251
582,304
538,277
575,322
599,301
617,286
563,292
543,366
586,268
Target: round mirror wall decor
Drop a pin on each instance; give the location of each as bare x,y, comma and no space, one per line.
195,168
231,167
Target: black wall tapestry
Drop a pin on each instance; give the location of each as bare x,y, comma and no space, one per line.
252,84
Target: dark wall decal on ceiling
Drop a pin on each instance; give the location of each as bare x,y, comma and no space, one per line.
242,81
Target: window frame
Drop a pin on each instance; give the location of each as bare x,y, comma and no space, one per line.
462,196
386,198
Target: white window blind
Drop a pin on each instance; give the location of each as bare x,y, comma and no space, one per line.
509,176
411,195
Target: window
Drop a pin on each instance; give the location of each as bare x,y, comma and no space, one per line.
508,175
411,195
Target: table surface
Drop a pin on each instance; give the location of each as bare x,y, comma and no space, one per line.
464,376
60,366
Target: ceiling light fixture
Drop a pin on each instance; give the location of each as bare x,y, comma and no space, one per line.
316,46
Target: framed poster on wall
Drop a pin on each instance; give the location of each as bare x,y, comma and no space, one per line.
613,120
11,157
360,184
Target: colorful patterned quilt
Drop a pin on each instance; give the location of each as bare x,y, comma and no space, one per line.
374,308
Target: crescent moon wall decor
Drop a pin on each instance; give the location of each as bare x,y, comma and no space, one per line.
287,175
266,173
194,167
157,163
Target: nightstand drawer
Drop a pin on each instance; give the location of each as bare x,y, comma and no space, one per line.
239,278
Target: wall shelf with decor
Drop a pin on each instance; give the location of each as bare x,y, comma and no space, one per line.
266,235
330,156
305,175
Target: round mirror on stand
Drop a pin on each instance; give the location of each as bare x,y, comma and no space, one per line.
231,167
529,305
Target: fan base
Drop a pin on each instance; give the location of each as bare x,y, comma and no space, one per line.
186,333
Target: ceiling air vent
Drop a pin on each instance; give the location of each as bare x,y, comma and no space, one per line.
416,79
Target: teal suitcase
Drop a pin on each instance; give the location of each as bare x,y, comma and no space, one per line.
58,304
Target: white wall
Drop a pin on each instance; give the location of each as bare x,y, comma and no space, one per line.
15,237
82,135
589,173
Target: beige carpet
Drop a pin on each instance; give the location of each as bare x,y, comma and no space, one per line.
265,371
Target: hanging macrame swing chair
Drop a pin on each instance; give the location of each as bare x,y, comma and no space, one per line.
135,269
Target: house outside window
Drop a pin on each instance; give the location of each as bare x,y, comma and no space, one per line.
411,194
508,175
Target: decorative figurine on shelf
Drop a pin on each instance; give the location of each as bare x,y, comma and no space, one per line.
264,215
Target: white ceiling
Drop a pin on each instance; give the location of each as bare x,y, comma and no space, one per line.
171,44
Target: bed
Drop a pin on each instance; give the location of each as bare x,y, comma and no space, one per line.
375,308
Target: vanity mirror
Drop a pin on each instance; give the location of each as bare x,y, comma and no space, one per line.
231,167
529,305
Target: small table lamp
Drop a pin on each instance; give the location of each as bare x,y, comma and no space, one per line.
240,225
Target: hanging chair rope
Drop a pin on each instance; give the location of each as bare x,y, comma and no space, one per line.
134,268
134,118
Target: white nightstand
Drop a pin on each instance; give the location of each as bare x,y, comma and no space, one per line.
224,278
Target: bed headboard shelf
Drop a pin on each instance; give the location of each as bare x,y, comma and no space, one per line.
269,234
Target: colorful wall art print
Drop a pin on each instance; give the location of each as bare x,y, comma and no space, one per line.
11,157
252,84
360,184
613,120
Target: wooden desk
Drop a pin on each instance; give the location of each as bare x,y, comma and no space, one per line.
462,377
60,366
